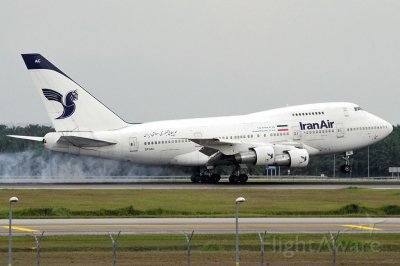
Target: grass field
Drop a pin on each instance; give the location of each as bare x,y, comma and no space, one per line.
280,249
219,249
350,201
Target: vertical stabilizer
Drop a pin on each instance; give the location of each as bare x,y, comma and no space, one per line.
70,107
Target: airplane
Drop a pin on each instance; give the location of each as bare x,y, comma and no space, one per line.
285,136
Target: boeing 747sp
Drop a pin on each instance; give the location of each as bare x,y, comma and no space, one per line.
284,137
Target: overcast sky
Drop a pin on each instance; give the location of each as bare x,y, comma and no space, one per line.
156,60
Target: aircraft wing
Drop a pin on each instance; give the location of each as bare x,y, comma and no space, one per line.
83,142
229,147
225,147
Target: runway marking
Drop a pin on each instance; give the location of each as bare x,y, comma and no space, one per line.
21,228
361,227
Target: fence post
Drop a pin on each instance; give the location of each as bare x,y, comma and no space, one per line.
188,240
37,240
334,238
114,241
262,250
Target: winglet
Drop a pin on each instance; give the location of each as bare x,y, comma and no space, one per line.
37,61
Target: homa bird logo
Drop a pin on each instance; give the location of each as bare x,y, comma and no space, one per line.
69,105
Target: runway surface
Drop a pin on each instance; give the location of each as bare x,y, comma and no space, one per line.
222,185
200,225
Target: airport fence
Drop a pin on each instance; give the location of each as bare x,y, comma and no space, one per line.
120,248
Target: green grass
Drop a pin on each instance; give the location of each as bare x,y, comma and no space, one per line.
210,249
204,242
200,202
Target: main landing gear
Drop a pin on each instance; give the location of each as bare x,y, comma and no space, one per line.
346,167
238,175
207,176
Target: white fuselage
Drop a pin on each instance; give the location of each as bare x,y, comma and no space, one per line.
318,128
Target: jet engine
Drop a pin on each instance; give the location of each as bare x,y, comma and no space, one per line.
266,155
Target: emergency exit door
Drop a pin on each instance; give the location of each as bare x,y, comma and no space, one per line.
133,144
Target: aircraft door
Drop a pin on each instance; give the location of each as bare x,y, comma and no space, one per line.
296,133
340,130
133,144
345,112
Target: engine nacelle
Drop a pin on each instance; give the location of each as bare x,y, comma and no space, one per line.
298,157
265,155
262,155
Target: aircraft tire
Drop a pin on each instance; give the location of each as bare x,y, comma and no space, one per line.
215,178
195,178
345,168
204,178
232,179
243,178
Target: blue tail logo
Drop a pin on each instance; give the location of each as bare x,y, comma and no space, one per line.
69,106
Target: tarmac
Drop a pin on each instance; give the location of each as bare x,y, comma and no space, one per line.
200,225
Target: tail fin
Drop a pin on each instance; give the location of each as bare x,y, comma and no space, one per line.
70,107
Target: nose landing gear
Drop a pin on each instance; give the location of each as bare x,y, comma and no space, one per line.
346,168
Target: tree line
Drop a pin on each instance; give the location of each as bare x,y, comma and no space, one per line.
382,155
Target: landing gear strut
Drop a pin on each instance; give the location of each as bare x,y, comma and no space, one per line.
238,175
346,167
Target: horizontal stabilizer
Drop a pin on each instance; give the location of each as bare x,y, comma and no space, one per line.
26,137
83,142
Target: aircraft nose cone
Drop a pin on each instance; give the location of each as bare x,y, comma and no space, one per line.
390,128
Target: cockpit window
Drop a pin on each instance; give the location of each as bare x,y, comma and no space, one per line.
357,108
